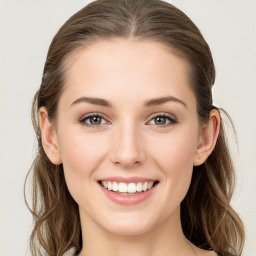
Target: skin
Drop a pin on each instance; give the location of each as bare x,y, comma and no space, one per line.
129,142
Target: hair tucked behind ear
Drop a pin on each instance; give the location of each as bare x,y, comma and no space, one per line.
208,219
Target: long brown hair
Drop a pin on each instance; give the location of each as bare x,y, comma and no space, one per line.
208,219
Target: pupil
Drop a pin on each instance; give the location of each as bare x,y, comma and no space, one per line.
160,120
95,120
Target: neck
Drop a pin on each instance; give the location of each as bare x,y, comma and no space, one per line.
165,240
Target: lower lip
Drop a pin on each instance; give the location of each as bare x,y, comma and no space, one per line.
128,199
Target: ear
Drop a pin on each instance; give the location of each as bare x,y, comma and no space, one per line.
208,138
49,137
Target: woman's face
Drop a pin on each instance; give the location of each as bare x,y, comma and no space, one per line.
127,116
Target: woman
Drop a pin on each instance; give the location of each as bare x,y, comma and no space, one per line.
132,157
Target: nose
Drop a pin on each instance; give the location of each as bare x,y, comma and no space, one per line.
127,147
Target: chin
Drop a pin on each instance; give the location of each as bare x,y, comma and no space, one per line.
128,230
129,225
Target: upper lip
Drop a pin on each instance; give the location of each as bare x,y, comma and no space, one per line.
127,179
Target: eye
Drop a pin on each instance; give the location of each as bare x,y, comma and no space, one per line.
163,120
93,120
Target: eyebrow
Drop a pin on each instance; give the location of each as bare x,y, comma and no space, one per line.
148,103
162,100
94,101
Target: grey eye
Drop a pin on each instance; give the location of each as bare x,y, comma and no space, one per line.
93,120
160,120
163,120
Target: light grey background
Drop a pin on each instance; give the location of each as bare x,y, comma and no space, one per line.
26,29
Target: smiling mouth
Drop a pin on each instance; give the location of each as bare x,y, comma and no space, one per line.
131,188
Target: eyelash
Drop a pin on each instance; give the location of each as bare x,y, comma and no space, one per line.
171,120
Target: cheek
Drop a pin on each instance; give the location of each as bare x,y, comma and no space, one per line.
81,155
176,151
80,151
174,156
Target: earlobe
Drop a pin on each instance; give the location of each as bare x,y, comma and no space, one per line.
49,137
209,136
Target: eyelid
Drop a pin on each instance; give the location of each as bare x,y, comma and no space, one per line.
92,114
163,114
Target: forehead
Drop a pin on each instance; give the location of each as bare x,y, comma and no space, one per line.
126,68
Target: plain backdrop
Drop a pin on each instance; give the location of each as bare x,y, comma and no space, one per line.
26,30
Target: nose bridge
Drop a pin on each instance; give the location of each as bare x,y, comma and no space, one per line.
128,147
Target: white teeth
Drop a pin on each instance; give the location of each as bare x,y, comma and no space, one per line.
105,184
139,187
122,187
150,184
115,186
130,188
145,186
109,185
